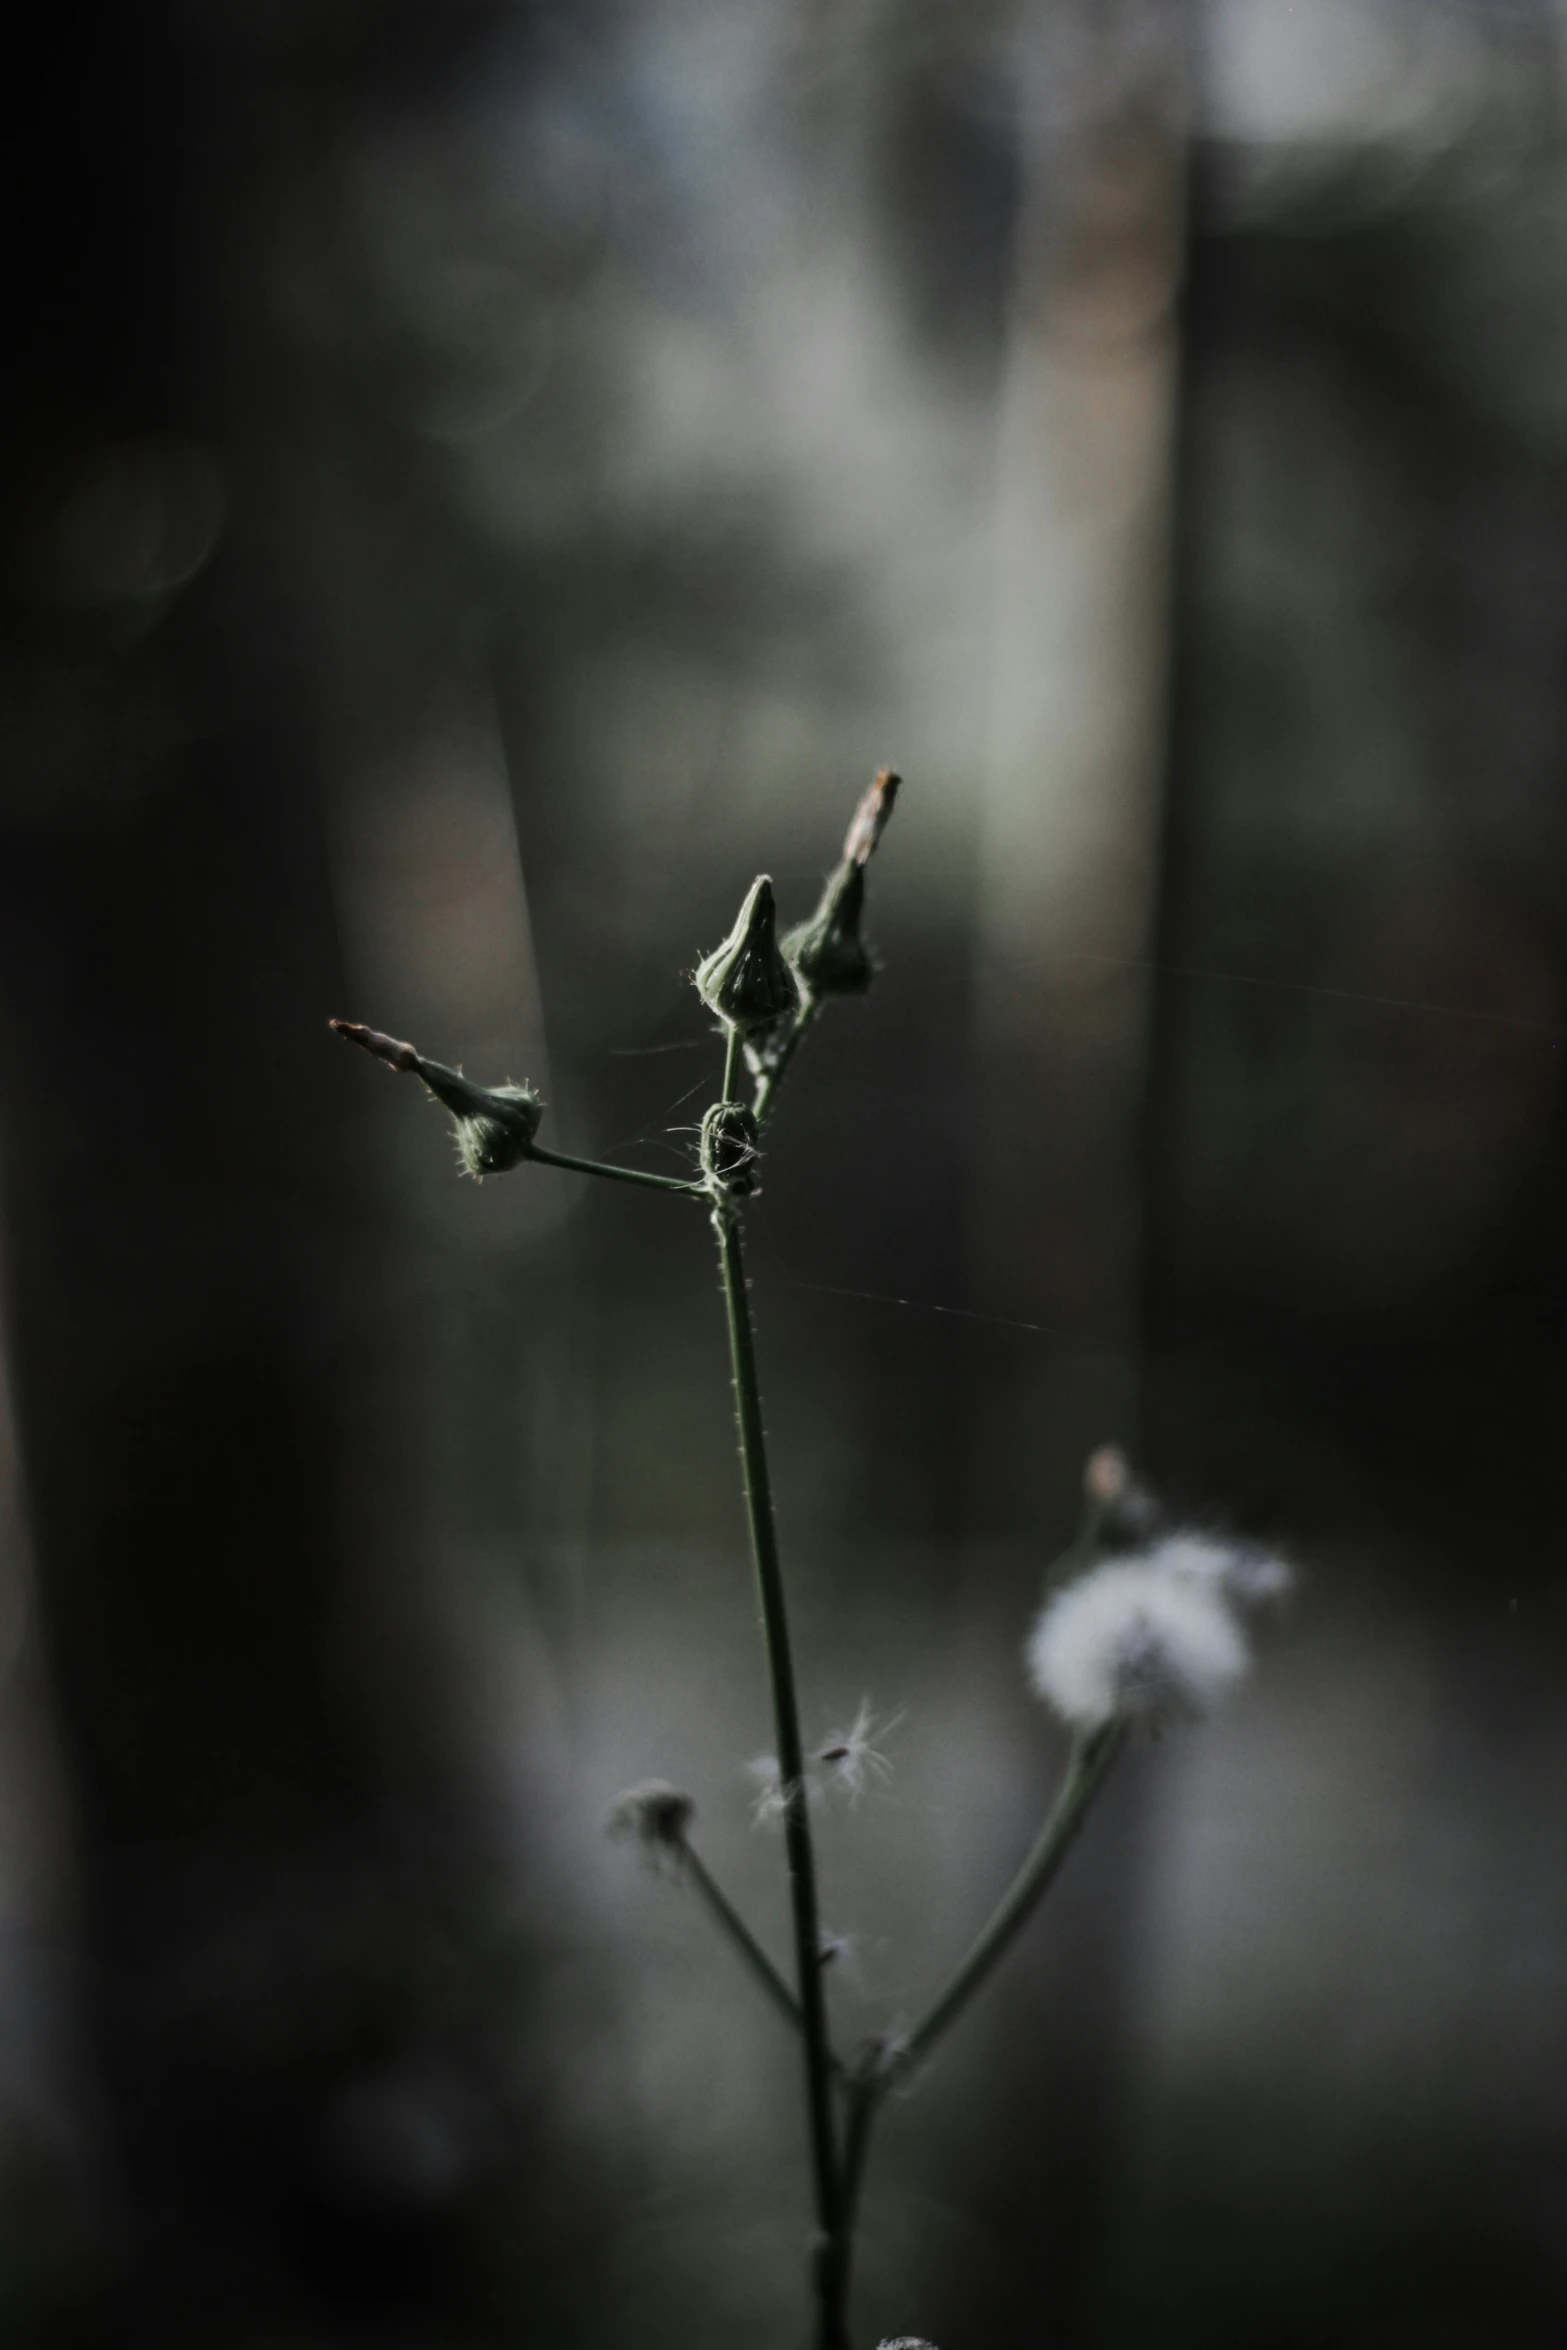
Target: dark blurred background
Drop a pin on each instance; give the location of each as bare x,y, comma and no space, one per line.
479,482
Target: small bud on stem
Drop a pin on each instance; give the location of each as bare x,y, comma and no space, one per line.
829,956
495,1124
746,980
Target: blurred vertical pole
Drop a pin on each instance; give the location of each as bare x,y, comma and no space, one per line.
1071,816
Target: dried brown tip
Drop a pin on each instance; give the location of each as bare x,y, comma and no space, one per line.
870,818
384,1048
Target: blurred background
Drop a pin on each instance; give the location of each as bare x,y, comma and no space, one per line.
478,483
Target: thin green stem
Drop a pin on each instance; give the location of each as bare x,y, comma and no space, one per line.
733,1924
791,1777
731,1061
1085,1774
862,2096
576,1166
772,1078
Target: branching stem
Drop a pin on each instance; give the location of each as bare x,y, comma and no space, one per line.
771,1079
576,1166
731,1923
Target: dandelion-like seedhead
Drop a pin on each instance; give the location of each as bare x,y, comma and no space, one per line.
848,1761
655,1815
1244,1572
1130,1640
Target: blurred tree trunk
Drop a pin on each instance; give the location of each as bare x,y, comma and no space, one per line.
1068,877
218,1376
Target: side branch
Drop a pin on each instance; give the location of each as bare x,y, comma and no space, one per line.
1085,1774
576,1166
496,1126
731,1923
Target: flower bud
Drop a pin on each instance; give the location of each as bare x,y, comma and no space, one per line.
828,954
495,1125
728,1148
746,980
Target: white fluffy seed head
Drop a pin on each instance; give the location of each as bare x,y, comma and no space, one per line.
1239,1571
1133,1640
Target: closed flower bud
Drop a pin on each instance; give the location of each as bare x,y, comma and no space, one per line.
495,1124
828,953
746,980
728,1148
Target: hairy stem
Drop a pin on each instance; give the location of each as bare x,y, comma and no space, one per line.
767,1085
831,2334
1085,1774
549,1158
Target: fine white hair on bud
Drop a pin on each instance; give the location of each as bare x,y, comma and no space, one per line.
906,2342
1131,1640
655,1815
1245,1572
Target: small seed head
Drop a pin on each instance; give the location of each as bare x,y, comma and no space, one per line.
657,1815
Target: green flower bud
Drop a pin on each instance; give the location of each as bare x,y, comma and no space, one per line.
746,981
827,953
728,1148
495,1124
